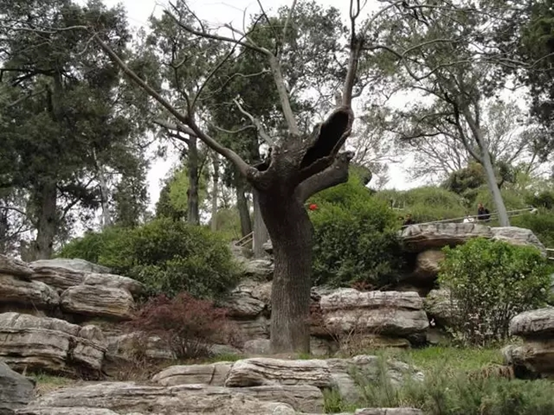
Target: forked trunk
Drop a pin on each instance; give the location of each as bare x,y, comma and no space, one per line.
290,230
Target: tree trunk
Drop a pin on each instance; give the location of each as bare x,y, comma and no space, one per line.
47,221
260,236
491,179
290,230
193,210
242,206
215,191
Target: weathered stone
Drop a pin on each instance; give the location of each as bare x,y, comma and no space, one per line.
223,350
533,358
210,374
125,346
419,238
49,344
266,371
259,269
428,265
67,411
75,264
268,247
126,398
358,343
302,398
534,324
59,278
114,281
517,236
252,329
439,307
14,290
257,347
98,301
242,304
16,390
13,266
385,312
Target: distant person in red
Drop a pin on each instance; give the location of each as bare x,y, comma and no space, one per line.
312,207
409,220
483,213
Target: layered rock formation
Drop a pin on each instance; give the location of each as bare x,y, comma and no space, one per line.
535,357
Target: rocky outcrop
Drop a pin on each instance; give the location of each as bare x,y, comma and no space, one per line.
114,281
12,266
56,277
98,301
249,299
535,357
419,238
266,371
392,313
16,390
259,269
124,346
23,292
428,265
439,307
75,264
130,398
210,374
49,344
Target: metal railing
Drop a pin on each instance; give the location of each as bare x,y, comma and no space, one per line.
245,240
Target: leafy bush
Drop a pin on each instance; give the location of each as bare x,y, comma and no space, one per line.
542,225
426,204
490,282
167,256
355,238
188,326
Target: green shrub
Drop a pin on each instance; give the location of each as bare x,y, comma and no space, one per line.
449,392
426,204
355,239
490,282
541,223
167,256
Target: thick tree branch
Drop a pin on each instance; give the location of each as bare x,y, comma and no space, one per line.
241,165
277,73
335,174
257,124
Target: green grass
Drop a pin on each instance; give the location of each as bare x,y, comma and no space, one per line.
457,382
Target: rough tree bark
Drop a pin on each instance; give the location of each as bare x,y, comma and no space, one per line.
193,206
215,191
260,235
242,205
47,221
298,167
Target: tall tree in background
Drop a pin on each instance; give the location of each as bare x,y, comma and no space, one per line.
68,118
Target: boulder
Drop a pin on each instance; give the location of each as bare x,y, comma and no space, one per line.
268,247
114,281
303,398
67,411
428,265
59,278
534,324
265,371
517,236
390,313
14,290
130,398
419,238
75,264
210,374
98,301
13,266
125,346
16,390
51,345
252,329
259,269
257,347
243,302
439,306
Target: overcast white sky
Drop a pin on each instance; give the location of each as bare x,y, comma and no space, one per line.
220,12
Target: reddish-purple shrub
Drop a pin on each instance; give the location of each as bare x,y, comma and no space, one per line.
189,326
